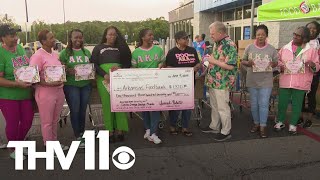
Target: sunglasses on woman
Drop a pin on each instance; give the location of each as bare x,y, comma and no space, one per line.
185,38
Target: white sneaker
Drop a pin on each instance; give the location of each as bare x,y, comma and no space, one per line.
64,148
154,138
292,129
3,146
147,134
25,151
13,155
279,126
82,145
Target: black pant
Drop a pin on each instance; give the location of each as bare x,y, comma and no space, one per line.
312,103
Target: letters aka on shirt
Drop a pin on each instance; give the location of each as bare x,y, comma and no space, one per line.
186,58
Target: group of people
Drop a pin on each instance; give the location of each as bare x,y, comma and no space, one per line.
17,98
302,52
113,53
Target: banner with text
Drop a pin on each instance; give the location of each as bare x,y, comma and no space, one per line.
281,10
133,90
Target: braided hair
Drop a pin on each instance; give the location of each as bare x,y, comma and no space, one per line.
69,49
142,33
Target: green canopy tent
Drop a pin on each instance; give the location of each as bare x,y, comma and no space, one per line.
281,10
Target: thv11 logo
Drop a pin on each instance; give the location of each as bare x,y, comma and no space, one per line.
123,157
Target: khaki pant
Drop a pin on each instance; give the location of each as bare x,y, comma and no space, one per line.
220,111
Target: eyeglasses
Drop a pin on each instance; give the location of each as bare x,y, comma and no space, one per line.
297,35
114,35
185,38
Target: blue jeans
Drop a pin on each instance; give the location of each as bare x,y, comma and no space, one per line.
174,115
205,92
77,99
259,99
151,120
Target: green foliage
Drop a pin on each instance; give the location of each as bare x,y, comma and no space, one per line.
93,30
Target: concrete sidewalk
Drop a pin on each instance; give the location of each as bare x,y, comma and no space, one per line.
245,156
282,158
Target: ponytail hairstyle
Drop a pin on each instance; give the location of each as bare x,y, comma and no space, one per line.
142,33
69,49
203,36
121,44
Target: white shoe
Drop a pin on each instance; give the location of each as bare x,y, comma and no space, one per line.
64,148
3,146
154,138
292,129
13,155
279,126
25,151
147,134
82,145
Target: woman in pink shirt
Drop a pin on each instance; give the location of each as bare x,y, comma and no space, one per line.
49,96
298,61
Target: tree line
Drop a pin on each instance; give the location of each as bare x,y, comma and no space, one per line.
93,30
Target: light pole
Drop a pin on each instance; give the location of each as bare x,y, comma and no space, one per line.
252,16
64,22
25,2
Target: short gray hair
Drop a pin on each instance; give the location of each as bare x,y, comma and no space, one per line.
305,34
219,26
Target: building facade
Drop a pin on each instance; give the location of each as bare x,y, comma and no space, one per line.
236,15
181,19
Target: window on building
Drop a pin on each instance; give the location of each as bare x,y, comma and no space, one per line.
219,16
231,34
239,13
247,32
237,34
228,15
247,10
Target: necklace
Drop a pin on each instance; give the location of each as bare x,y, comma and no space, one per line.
13,51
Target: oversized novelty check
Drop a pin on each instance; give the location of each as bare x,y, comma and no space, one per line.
134,90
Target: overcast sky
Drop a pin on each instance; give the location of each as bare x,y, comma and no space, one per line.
51,11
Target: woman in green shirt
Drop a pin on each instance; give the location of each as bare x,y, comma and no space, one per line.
148,56
15,96
77,92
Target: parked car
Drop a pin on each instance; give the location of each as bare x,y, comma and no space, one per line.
29,51
155,42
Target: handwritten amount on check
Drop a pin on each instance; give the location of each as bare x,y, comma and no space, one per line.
175,94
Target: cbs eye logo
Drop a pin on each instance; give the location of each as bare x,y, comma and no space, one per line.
123,158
